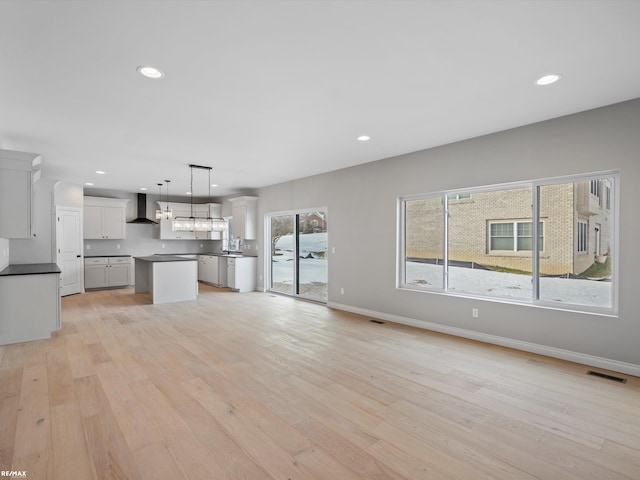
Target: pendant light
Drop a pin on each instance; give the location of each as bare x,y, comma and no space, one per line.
186,224
199,224
159,211
163,214
168,213
217,224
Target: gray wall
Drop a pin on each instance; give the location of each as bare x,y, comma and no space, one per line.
361,203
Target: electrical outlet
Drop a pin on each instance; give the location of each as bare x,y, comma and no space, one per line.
163,245
118,246
342,291
474,312
88,247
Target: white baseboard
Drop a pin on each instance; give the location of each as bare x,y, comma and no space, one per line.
585,359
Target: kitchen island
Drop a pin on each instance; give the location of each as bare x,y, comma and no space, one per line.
169,278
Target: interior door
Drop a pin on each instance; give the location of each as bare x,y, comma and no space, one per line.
69,240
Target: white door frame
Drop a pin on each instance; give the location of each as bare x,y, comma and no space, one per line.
60,249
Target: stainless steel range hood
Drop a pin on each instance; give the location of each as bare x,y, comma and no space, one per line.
142,211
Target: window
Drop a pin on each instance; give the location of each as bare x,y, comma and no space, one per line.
502,236
526,242
459,196
582,237
513,236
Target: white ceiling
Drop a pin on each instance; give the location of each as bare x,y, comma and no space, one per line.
269,91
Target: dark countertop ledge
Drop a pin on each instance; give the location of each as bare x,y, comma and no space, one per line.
30,269
105,256
165,258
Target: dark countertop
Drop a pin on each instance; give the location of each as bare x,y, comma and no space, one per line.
165,258
105,256
30,269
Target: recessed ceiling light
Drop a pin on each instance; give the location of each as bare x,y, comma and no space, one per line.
188,193
143,188
364,138
150,72
214,185
548,79
100,172
89,184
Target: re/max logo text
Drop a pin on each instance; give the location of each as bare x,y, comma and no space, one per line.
13,473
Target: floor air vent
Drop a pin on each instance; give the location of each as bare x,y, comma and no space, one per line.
608,377
377,321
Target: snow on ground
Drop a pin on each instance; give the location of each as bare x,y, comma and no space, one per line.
312,270
511,285
462,280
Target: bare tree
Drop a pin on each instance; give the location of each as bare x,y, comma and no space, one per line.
280,226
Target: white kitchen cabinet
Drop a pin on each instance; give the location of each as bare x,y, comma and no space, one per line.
105,272
241,273
209,269
222,271
245,217
104,218
18,172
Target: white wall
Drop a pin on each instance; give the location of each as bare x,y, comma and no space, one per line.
68,195
362,202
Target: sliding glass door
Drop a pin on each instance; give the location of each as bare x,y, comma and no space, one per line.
299,254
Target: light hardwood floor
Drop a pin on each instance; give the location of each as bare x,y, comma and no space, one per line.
258,386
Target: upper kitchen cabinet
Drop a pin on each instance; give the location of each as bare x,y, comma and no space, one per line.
18,172
105,218
245,217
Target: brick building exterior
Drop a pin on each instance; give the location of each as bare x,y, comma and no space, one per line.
494,228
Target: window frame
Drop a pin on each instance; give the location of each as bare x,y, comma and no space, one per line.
582,237
515,236
535,185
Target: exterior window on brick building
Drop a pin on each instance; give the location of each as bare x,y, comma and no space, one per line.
583,237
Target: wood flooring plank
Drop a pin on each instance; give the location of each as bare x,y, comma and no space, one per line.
191,457
90,395
59,375
607,465
69,446
273,458
9,407
33,428
108,449
331,440
133,421
232,458
156,462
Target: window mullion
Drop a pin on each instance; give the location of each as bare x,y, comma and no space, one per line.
445,254
535,242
